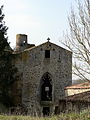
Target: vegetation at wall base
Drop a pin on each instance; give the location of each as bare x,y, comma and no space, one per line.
68,116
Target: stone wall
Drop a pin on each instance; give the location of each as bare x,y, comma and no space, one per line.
32,65
68,106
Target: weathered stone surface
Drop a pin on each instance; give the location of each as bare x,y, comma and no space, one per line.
32,65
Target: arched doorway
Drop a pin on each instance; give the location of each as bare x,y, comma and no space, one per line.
46,87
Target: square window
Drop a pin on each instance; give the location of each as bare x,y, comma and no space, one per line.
47,53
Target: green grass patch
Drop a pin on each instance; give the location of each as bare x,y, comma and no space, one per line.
70,116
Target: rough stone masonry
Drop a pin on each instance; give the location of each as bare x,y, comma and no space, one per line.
44,71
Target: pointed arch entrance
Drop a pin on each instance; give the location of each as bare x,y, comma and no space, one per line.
46,87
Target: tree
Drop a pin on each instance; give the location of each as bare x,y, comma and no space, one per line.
77,39
3,32
7,70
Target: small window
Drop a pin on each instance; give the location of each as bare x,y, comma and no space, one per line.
47,53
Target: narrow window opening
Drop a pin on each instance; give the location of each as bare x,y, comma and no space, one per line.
47,53
46,88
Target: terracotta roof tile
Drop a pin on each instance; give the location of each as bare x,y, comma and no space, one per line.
85,96
84,85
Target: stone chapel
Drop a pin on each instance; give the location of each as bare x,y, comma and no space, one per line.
44,71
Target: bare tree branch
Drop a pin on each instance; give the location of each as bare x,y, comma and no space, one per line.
78,39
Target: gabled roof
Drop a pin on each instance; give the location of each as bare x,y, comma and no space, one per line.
85,85
48,42
85,96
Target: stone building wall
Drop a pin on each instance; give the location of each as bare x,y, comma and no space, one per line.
32,65
75,103
68,106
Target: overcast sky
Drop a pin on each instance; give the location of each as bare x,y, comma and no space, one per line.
39,19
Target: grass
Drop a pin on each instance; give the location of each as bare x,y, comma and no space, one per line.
70,116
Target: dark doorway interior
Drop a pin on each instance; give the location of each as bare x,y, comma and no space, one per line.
46,111
56,110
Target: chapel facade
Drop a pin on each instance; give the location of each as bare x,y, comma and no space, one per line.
44,71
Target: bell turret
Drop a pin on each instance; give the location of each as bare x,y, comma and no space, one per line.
21,42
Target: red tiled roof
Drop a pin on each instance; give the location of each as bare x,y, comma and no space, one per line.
84,85
85,96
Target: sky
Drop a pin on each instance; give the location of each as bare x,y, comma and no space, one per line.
39,19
